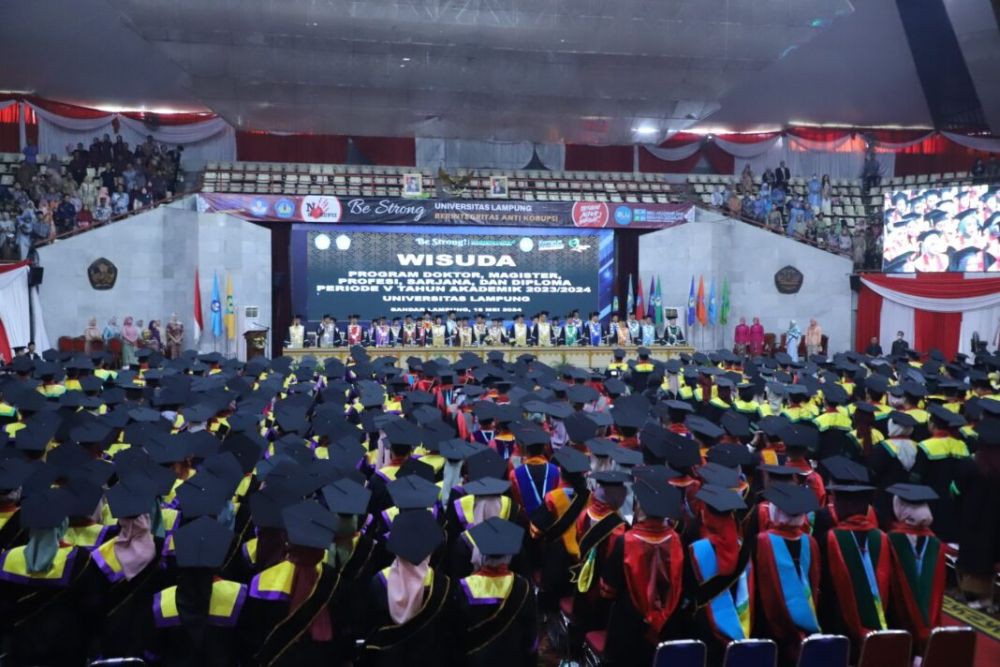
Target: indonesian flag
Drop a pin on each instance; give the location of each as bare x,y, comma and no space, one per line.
198,322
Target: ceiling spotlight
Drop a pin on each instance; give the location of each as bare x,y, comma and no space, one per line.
406,60
645,129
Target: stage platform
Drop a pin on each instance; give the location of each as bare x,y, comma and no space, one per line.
583,356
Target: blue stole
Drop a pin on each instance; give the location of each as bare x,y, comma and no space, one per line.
595,334
729,615
531,499
796,590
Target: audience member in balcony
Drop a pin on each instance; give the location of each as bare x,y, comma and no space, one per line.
108,178
102,212
747,206
120,201
860,248
979,170
142,199
31,153
111,330
84,219
733,203
130,340
91,335
8,237
78,165
775,220
871,173
782,176
25,230
65,215
826,196
845,242
129,174
119,149
45,227
718,197
778,196
796,217
767,178
88,192
814,191
746,180
175,337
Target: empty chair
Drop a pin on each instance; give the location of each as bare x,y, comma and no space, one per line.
950,647
886,648
751,653
825,651
593,647
680,653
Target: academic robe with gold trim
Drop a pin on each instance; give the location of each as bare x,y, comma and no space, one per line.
498,619
174,637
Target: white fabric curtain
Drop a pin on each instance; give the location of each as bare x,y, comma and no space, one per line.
959,305
988,144
836,145
41,335
803,163
210,140
675,154
895,317
747,151
14,311
432,153
984,321
898,146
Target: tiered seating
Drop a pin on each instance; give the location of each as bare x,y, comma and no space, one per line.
848,198
8,165
375,181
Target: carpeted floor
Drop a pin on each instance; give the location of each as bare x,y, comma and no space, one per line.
988,627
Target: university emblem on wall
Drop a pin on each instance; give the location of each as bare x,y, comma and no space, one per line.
102,274
788,280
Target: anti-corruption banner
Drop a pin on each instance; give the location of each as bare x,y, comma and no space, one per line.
329,209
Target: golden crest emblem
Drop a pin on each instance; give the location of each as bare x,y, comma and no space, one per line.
102,274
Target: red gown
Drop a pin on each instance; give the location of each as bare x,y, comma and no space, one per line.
917,592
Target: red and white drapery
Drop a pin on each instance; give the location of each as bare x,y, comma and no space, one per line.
933,310
15,318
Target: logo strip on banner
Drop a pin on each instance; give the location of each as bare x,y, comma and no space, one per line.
327,209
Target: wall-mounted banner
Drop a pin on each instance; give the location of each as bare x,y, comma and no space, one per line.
329,209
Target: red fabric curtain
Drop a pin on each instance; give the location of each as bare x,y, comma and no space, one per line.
895,136
169,118
9,137
721,161
869,317
755,138
937,331
649,163
265,147
388,151
819,133
938,285
935,154
6,354
598,158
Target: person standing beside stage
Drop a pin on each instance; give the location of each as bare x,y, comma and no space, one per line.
91,335
814,339
594,330
742,337
673,334
792,337
130,339
519,331
111,331
328,336
439,332
756,338
175,337
647,334
571,331
542,332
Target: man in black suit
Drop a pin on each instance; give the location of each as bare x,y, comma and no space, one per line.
873,349
782,176
899,346
31,353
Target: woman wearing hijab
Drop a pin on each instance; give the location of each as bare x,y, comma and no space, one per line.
918,564
128,571
645,576
91,335
175,337
718,575
408,618
111,330
130,339
287,618
792,337
154,341
484,500
787,572
44,610
890,462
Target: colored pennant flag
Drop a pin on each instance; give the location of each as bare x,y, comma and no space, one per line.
724,315
630,299
640,303
702,314
651,301
216,307
614,304
691,304
658,315
230,315
199,323
713,306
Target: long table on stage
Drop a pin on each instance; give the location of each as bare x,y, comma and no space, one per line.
583,356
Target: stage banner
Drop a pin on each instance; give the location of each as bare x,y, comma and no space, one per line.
329,209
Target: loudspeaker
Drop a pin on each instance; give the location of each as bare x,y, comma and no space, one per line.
855,282
35,276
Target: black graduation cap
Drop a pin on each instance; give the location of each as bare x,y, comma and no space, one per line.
202,543
913,493
679,406
628,416
626,457
246,447
704,429
346,496
497,537
719,475
45,509
800,436
946,416
600,447
657,500
842,469
610,477
309,524
413,492
581,393
456,449
486,463
791,498
401,433
571,460
131,496
988,431
730,455
580,427
415,536
735,424
13,472
602,419
530,436
202,495
773,425
487,486
84,496
720,498
680,452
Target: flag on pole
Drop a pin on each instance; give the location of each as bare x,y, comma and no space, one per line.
651,301
630,299
658,315
199,324
216,307
691,303
713,306
724,315
230,316
614,304
702,314
640,303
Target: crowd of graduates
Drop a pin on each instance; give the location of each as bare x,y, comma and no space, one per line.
203,511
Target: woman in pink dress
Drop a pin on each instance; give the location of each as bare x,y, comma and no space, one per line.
756,337
742,337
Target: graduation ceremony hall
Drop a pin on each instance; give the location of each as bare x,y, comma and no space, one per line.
500,333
